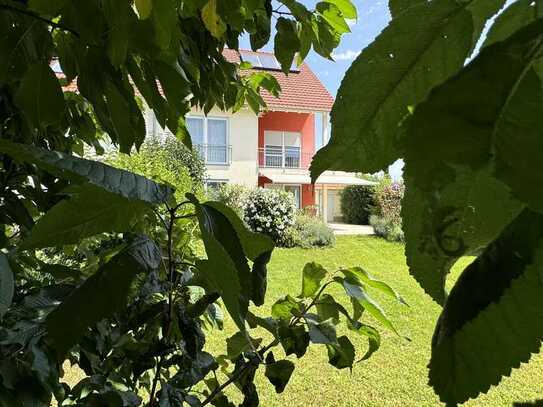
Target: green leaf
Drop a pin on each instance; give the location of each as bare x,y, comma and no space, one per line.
7,285
269,324
144,8
294,340
175,85
286,43
121,182
165,19
368,280
492,320
321,331
256,246
285,308
48,7
478,117
374,338
39,95
462,219
347,8
278,373
357,292
397,71
396,7
312,277
226,269
239,343
88,211
212,20
120,113
67,57
517,139
333,16
328,308
519,14
101,295
120,17
342,354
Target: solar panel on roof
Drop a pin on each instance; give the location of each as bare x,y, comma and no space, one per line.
265,61
252,59
268,61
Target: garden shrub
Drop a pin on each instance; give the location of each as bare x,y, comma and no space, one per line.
233,196
386,228
386,219
356,203
270,211
273,212
168,161
310,231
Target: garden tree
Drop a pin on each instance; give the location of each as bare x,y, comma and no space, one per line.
97,265
469,128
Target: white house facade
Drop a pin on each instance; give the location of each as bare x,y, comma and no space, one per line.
273,149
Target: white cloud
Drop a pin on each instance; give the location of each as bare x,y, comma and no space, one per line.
346,55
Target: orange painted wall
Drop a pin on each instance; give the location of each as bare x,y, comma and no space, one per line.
290,121
308,195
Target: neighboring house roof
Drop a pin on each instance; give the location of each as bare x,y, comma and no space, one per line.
300,90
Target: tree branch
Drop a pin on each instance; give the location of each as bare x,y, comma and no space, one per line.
272,344
40,18
282,13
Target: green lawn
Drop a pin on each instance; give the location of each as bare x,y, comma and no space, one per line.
396,375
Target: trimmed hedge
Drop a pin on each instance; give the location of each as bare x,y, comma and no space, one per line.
356,203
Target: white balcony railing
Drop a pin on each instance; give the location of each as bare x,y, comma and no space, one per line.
283,157
214,153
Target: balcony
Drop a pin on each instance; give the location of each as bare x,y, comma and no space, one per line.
283,157
214,154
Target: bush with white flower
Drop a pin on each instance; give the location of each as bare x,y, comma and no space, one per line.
270,211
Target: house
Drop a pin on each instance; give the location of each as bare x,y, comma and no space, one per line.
275,148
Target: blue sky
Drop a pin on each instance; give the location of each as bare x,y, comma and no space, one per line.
373,16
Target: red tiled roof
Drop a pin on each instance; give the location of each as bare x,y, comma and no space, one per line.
299,90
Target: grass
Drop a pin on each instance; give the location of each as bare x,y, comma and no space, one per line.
394,376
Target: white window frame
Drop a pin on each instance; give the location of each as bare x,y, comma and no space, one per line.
205,140
283,147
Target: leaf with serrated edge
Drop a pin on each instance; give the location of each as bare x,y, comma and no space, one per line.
88,211
418,50
454,205
124,183
483,333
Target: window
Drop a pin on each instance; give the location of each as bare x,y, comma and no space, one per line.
282,149
209,138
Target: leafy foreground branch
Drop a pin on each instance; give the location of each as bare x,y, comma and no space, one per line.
469,129
131,303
